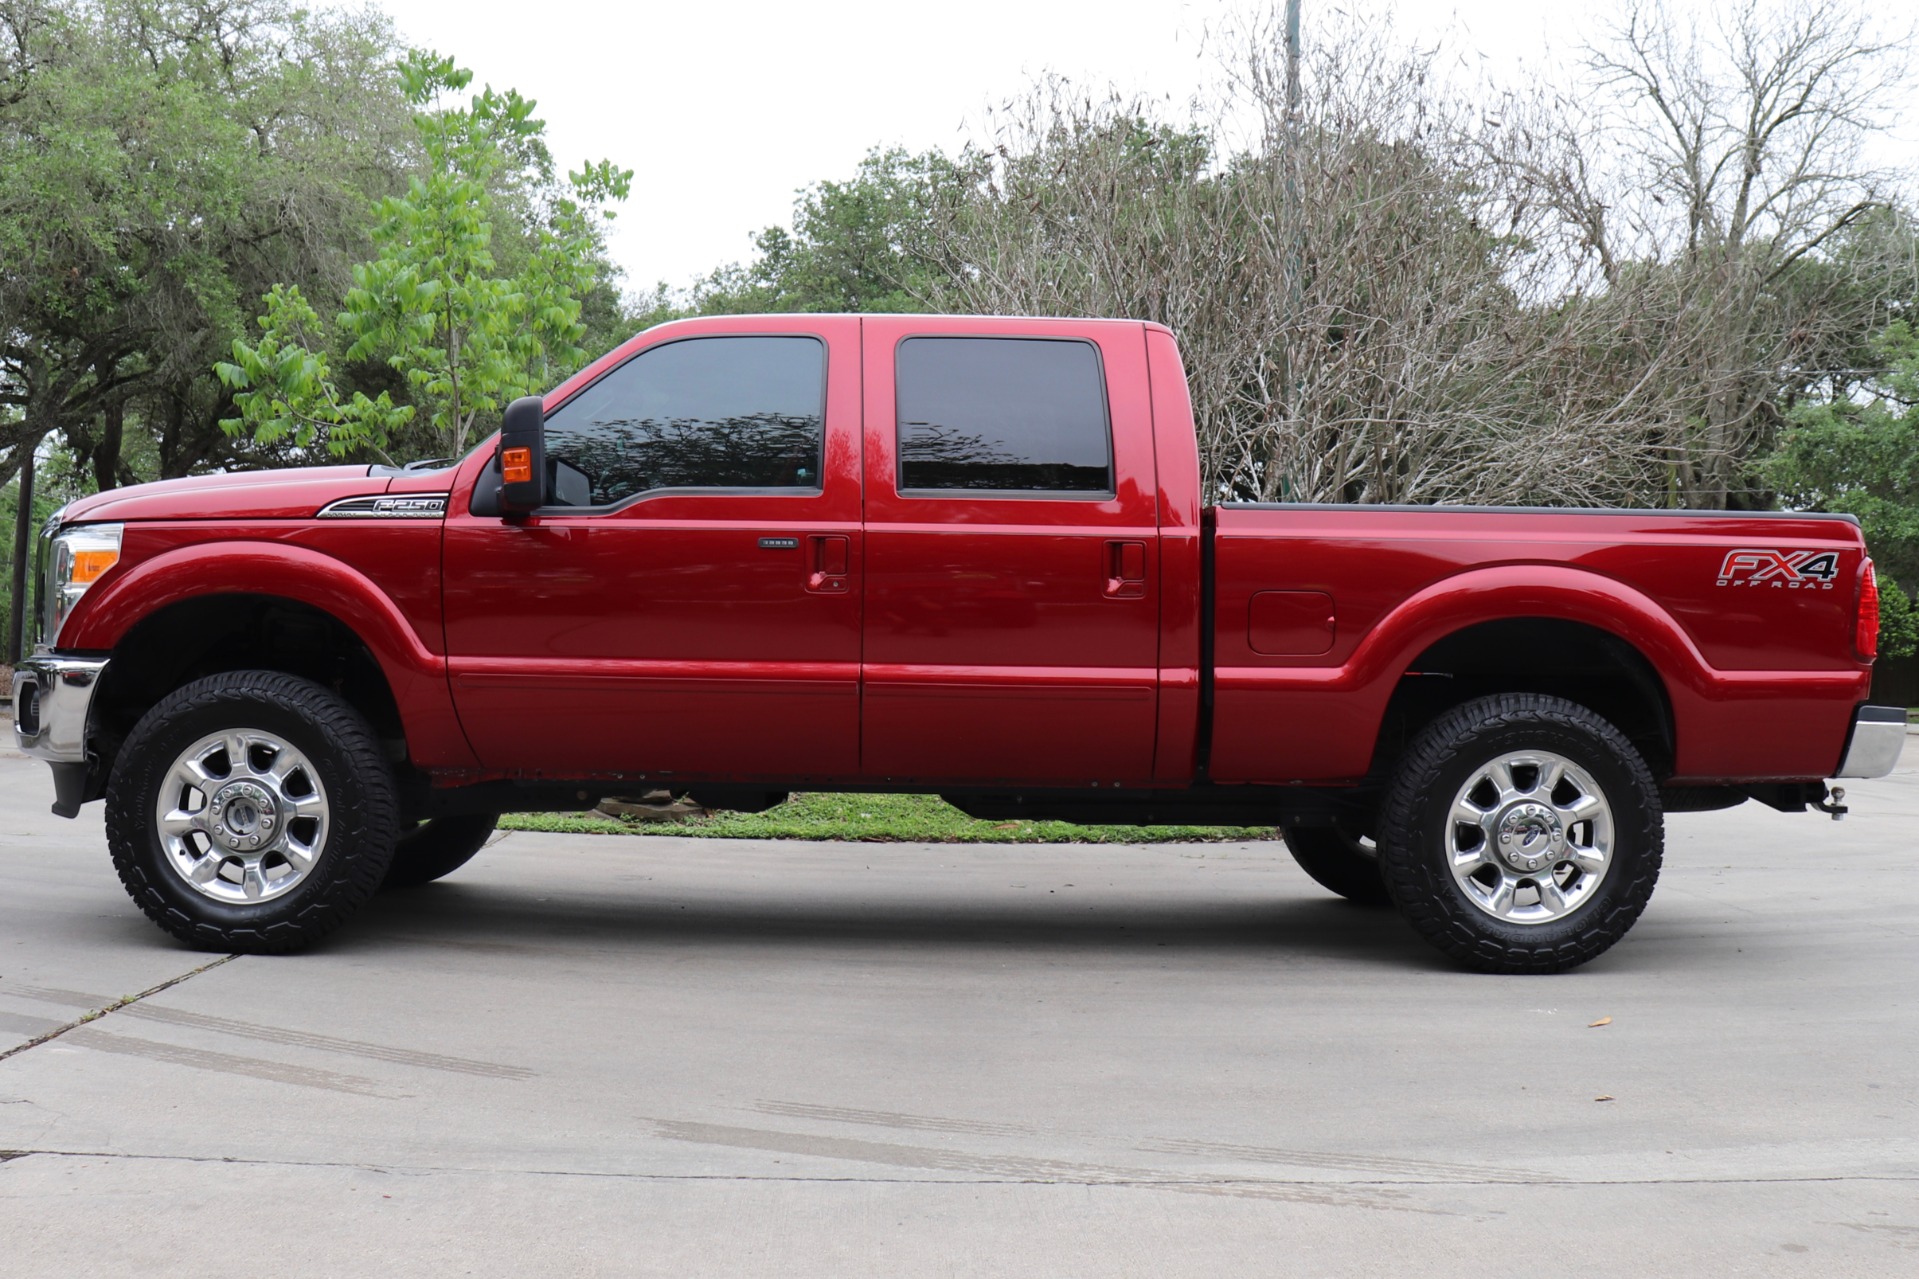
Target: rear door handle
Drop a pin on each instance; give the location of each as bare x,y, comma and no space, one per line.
1125,570
827,558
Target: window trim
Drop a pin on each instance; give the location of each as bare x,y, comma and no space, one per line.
709,490
1108,494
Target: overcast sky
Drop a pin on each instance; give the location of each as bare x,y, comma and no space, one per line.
725,108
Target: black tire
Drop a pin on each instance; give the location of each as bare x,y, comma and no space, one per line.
349,861
1417,834
436,848
1339,861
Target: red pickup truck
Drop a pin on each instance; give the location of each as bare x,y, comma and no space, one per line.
747,555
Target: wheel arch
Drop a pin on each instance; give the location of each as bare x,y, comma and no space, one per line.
221,633
1583,663
191,612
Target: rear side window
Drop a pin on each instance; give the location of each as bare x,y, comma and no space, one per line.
705,413
1005,415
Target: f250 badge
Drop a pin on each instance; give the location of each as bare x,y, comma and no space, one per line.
1788,570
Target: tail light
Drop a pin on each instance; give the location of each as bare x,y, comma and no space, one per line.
1866,638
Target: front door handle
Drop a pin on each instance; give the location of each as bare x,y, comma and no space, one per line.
827,558
1125,570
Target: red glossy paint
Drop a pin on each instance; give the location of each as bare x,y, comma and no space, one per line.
660,637
994,652
1762,680
915,640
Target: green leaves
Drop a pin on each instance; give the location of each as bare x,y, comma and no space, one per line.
434,305
1862,458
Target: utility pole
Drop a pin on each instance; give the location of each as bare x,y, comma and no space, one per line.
1273,484
22,548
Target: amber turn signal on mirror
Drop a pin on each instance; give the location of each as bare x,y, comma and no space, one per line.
516,466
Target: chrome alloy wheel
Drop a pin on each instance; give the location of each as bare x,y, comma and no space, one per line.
1530,837
242,816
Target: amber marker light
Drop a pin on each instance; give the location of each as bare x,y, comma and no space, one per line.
88,566
516,466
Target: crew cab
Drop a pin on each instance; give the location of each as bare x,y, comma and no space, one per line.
743,556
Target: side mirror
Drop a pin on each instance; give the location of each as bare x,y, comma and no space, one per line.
523,456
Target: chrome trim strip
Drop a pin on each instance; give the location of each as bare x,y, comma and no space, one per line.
1878,736
52,698
398,506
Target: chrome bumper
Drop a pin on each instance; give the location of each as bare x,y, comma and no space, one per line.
1878,735
52,697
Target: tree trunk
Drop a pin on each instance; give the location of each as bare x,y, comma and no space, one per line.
106,452
22,555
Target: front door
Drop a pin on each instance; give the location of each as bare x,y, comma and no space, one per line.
1012,629
693,613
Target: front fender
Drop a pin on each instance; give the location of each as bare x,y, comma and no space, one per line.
416,674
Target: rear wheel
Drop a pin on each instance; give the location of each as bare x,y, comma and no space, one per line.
1521,834
251,812
1340,860
435,849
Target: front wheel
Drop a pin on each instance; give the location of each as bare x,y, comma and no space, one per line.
1521,834
251,812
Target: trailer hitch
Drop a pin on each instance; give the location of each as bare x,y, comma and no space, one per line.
1834,804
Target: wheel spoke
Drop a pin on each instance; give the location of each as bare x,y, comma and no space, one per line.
1467,813
1500,901
237,761
284,764
1589,860
310,805
1585,808
254,883
1465,859
1501,773
1549,778
1550,895
206,868
203,780
180,822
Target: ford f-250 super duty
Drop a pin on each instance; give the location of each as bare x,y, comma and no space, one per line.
745,555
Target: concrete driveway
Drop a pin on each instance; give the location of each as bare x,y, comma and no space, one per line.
588,1055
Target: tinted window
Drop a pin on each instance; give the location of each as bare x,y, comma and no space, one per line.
721,412
1008,414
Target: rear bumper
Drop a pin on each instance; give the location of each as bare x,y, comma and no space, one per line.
1878,735
52,698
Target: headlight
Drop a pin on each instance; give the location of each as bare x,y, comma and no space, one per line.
76,559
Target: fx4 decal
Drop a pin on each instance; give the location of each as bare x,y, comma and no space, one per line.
1790,570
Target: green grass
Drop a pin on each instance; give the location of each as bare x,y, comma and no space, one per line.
879,818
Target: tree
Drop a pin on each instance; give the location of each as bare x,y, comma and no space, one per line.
433,305
1364,308
162,162
857,245
1861,457
1709,171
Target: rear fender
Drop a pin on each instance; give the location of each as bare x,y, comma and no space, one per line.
1715,713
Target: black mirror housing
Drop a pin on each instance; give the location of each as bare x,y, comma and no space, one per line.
523,456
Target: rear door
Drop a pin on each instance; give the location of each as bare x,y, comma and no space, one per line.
693,610
1011,564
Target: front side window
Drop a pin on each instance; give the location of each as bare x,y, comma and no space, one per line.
1007,415
703,413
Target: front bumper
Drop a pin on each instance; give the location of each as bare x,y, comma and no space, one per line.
52,698
1878,735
